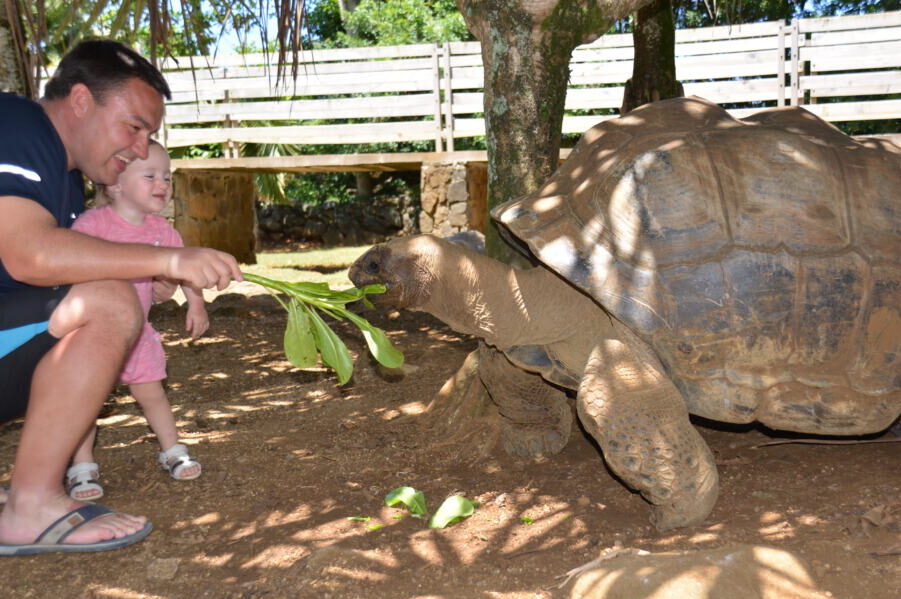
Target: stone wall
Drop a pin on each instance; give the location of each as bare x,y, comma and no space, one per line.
453,198
344,223
219,209
215,209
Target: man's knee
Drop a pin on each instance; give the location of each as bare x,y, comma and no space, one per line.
120,299
111,305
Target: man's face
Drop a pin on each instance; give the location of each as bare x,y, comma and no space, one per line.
116,132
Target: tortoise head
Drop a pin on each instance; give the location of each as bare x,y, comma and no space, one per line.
405,266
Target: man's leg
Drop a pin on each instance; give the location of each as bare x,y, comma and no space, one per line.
96,324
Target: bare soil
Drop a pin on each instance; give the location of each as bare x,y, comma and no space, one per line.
289,457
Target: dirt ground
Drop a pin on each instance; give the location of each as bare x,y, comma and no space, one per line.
289,457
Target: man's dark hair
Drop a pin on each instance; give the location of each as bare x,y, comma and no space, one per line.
102,65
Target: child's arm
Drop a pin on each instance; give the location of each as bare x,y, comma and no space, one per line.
163,289
197,320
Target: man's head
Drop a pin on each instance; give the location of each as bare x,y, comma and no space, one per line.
102,65
105,101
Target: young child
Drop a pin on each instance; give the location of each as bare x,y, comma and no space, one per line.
130,216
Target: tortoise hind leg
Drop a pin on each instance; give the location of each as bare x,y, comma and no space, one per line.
536,416
639,419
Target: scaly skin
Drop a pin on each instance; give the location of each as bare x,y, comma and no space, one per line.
625,401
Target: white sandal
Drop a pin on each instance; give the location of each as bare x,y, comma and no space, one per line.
82,478
176,459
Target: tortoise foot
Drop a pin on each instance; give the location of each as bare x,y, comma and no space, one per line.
689,505
533,442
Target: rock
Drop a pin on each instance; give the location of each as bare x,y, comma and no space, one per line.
162,568
735,572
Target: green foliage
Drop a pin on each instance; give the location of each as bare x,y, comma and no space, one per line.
702,13
387,23
410,497
314,188
454,509
323,22
308,338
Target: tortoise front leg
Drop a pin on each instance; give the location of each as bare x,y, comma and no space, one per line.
536,416
639,419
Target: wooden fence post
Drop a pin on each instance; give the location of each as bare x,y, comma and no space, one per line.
436,90
448,99
796,62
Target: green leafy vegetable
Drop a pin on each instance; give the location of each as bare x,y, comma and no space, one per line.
526,520
307,336
454,509
359,518
413,499
300,345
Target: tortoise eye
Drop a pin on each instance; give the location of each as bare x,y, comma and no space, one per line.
372,267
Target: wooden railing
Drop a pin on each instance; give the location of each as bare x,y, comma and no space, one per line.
841,68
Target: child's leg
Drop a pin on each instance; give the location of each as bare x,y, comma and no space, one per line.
82,476
158,412
155,405
85,451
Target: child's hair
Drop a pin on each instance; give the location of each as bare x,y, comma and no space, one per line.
101,197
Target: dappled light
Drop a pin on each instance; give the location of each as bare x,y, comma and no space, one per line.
297,467
289,457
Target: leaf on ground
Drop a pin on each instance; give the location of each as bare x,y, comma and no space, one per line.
454,509
413,499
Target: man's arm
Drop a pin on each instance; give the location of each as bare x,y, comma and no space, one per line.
36,251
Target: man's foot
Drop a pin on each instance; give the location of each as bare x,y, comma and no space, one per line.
53,538
82,482
21,524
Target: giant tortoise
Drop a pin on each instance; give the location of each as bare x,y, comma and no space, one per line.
691,263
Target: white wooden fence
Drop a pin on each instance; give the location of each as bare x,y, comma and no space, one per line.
841,68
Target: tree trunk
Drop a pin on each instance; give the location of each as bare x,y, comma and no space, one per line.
365,185
654,67
13,77
526,47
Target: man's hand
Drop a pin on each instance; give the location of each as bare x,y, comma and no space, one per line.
203,268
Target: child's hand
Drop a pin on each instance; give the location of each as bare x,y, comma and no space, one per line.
163,289
197,321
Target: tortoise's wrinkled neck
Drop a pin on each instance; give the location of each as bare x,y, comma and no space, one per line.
489,299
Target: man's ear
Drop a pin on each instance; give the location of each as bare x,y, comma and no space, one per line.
80,99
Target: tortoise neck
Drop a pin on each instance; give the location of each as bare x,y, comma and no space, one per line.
504,306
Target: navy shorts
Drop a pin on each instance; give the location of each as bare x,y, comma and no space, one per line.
24,340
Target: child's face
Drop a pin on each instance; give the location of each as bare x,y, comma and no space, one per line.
146,185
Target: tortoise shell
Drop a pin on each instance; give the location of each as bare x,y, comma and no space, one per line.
760,258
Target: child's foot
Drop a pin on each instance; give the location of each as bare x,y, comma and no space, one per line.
179,464
82,482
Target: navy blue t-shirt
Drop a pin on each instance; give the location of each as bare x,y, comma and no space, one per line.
33,165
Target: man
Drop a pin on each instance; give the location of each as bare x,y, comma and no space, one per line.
68,315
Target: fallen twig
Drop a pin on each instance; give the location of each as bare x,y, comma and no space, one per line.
826,442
